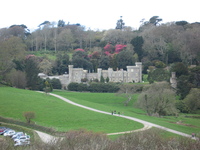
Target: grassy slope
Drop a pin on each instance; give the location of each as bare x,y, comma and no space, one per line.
108,102
53,112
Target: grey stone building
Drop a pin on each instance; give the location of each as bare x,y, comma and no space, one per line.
132,74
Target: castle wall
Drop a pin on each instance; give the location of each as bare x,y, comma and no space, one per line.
133,73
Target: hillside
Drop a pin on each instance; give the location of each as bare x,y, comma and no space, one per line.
55,113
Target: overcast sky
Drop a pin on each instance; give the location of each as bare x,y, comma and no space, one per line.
96,14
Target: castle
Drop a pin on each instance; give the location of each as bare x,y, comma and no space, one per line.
133,74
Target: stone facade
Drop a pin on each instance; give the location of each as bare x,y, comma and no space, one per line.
133,73
173,80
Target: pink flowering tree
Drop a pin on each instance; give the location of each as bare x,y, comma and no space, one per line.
119,48
111,50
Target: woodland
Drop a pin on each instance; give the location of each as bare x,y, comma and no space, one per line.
161,47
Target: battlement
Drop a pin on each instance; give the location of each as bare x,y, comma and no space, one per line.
133,74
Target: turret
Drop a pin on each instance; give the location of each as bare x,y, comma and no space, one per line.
139,64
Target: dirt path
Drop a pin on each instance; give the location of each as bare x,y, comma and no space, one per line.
47,138
127,117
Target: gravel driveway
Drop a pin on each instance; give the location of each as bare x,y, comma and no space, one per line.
48,138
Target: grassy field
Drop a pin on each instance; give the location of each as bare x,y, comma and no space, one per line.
109,101
55,113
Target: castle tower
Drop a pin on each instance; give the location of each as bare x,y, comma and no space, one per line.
173,80
99,73
139,64
70,73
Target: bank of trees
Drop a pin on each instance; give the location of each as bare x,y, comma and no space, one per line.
162,48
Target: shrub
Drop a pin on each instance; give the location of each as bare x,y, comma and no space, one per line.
56,84
73,86
82,87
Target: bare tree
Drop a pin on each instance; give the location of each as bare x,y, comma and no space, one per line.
28,116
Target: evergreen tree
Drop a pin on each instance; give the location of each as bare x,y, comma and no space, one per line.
138,42
31,69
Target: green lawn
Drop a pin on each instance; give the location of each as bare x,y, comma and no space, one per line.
109,101
53,112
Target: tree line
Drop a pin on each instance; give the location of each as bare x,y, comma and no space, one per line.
162,48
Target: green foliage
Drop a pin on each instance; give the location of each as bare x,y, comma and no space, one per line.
125,58
82,87
158,99
104,62
183,86
186,82
73,86
48,87
12,49
138,42
158,75
32,70
180,69
103,87
94,87
181,106
159,64
192,100
102,80
107,79
56,84
61,64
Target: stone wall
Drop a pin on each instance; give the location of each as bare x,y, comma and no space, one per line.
133,74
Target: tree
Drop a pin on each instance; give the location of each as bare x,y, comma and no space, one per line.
48,87
10,50
107,79
17,78
113,36
125,58
104,62
61,64
45,66
19,31
120,24
158,74
102,80
155,20
56,84
32,71
28,116
138,42
127,91
80,59
192,100
181,23
180,69
65,39
61,23
159,99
